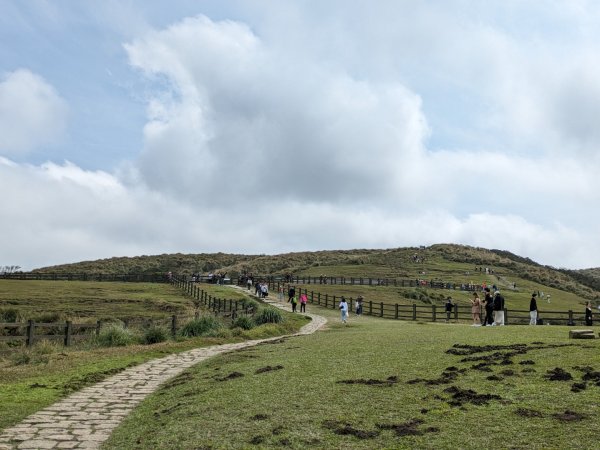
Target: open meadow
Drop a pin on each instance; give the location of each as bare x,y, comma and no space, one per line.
378,383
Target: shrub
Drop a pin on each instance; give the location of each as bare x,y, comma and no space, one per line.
9,315
268,315
243,322
248,303
46,347
201,327
154,335
21,358
115,336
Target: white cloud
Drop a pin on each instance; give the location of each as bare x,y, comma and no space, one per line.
32,113
310,128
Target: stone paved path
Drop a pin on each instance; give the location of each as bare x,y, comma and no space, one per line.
86,419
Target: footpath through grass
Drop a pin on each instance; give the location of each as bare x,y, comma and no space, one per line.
382,384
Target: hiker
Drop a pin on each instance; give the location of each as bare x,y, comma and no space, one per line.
533,311
264,290
294,302
303,302
449,306
498,309
588,314
489,307
291,293
249,283
476,310
343,307
359,305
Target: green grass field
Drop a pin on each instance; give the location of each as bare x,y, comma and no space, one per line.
382,384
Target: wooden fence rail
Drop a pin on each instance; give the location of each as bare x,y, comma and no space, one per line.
432,313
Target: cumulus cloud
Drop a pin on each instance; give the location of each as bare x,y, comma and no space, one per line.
296,132
32,113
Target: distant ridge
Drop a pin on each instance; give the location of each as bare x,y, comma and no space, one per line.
447,261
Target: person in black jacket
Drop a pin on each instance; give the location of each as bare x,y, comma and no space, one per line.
449,306
498,309
588,314
291,293
533,311
488,302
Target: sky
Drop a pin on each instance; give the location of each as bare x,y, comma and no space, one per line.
142,127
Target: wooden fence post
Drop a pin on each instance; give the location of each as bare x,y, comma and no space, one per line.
68,330
381,309
326,298
30,333
396,314
570,321
414,306
433,315
333,303
456,313
174,325
98,327
370,307
505,316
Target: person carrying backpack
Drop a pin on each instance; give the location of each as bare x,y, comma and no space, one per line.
498,309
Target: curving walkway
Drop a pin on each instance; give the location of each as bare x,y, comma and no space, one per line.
86,419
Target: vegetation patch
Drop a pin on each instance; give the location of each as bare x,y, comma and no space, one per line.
578,387
448,376
259,417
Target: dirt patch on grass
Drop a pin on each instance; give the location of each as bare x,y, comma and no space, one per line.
268,369
460,396
178,380
507,373
578,387
494,378
449,375
231,376
569,416
527,362
277,430
589,374
529,370
558,374
345,429
76,384
525,412
409,428
257,440
389,381
259,417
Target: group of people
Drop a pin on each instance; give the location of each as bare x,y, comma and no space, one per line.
493,307
293,299
343,307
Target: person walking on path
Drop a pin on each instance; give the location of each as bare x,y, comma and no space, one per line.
343,307
359,305
476,310
588,314
291,293
449,306
498,309
533,311
294,302
489,307
303,302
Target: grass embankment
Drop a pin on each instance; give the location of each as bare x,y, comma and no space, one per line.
83,300
381,384
31,379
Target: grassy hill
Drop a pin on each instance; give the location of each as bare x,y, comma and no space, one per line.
446,262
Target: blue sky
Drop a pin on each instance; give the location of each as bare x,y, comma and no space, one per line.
146,127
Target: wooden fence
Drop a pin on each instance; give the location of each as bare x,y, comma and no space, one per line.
69,332
432,313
